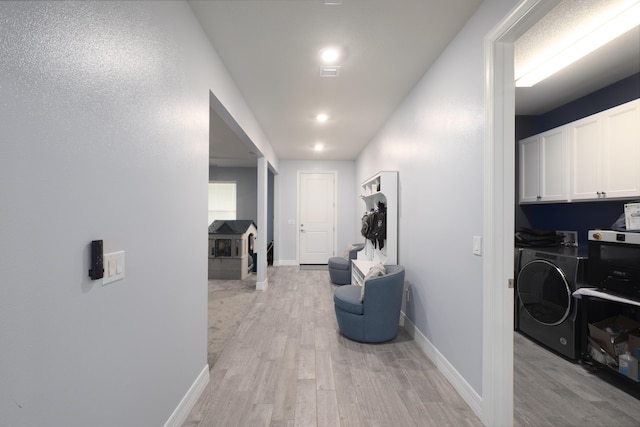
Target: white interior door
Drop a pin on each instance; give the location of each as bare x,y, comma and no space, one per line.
316,219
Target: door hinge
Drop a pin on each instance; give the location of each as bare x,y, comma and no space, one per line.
510,283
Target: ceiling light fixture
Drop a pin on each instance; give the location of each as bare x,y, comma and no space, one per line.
329,55
322,117
332,2
318,147
622,22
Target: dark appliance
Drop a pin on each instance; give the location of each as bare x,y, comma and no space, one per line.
614,262
545,309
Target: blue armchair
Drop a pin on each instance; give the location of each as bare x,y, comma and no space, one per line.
375,317
340,268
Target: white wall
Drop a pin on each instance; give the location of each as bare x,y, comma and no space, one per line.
104,116
286,206
435,141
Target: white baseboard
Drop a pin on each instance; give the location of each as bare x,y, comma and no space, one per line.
473,399
181,413
287,263
262,286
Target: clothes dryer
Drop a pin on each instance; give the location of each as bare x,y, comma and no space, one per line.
545,310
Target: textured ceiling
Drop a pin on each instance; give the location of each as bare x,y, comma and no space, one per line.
562,26
270,48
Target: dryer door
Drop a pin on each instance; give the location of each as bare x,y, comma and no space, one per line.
544,292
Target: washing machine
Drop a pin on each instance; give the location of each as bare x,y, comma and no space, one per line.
545,310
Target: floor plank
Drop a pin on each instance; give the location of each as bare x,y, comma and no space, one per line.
552,391
287,365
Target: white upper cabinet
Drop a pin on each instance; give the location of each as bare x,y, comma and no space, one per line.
544,167
529,162
585,138
594,158
606,154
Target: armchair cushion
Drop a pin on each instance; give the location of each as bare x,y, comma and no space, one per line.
348,299
339,263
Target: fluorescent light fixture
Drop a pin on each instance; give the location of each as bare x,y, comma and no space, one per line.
609,30
318,147
332,2
329,55
322,117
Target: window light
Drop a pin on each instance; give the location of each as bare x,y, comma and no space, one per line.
609,30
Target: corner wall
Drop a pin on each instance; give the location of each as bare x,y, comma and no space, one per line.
104,114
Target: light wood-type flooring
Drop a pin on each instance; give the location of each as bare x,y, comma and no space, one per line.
287,365
551,391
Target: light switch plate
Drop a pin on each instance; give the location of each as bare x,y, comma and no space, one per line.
113,267
477,245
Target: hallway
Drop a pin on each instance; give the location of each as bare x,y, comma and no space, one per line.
287,365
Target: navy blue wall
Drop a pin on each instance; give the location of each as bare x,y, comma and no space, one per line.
618,93
578,216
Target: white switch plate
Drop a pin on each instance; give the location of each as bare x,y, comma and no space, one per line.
477,245
113,267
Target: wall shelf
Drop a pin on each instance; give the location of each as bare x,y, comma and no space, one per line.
382,187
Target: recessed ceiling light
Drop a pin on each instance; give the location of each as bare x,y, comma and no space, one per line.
322,117
332,2
329,55
318,147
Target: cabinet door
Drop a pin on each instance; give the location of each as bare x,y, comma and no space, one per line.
621,151
554,166
585,136
529,169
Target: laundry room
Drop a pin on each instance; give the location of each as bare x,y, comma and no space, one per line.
566,302
576,263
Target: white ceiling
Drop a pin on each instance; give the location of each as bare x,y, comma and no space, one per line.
271,47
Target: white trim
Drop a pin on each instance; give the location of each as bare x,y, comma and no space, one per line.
262,286
261,244
181,412
470,396
335,208
499,202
